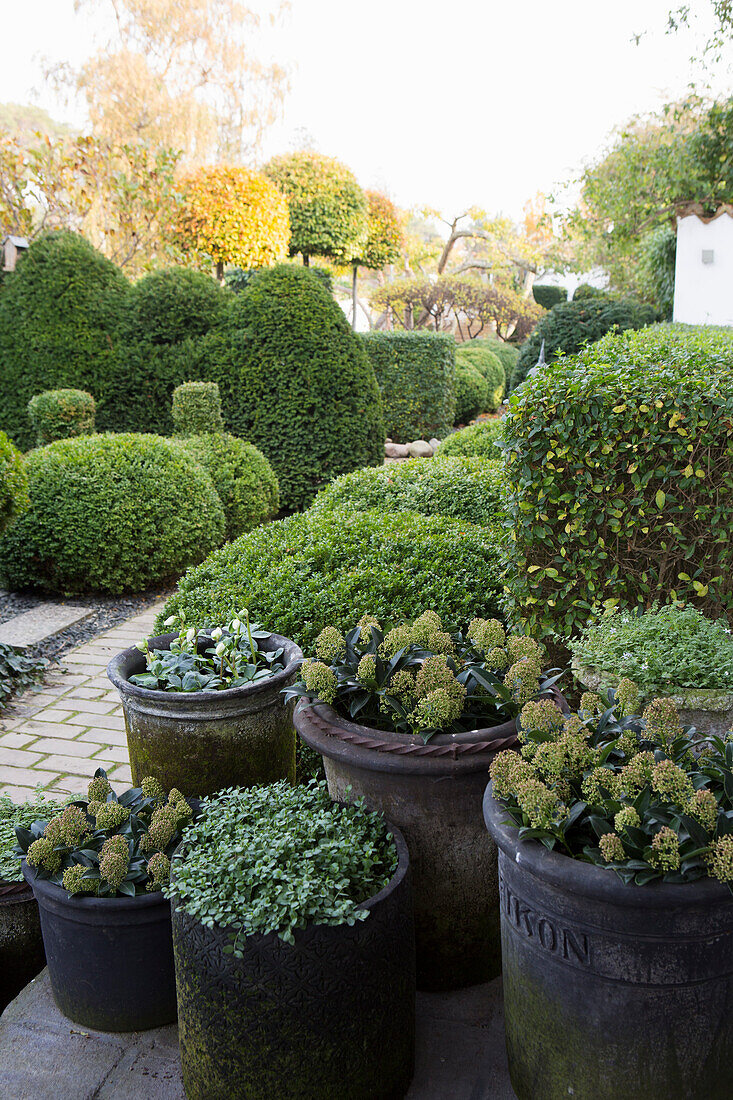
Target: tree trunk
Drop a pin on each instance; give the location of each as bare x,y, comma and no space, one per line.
306,260
354,287
220,271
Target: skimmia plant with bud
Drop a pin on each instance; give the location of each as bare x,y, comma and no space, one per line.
231,659
108,846
420,678
634,793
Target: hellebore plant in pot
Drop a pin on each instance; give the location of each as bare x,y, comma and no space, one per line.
672,651
615,838
410,720
96,870
203,708
294,949
21,944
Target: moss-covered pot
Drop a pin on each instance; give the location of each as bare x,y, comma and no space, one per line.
330,1017
709,710
433,794
21,943
110,960
611,991
204,741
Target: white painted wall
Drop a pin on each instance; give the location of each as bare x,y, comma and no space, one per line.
703,292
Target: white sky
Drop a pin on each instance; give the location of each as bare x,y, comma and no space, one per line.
443,103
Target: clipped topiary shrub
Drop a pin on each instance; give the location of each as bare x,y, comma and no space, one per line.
110,513
196,408
61,414
472,393
327,568
59,312
585,290
470,489
242,477
507,354
13,482
416,376
549,296
480,354
477,440
620,470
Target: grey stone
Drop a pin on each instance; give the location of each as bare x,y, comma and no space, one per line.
396,450
32,627
434,443
420,449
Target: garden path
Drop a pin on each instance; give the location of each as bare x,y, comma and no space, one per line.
58,736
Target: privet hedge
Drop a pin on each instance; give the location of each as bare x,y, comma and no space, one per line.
327,568
481,355
196,408
416,376
109,513
61,414
620,471
13,482
242,477
472,393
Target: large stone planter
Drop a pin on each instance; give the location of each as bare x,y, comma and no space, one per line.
21,943
331,1016
204,741
709,710
433,794
611,991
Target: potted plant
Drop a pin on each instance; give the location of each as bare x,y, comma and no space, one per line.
21,944
203,709
615,840
294,949
672,651
410,720
96,870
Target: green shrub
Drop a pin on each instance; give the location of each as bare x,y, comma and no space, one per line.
585,291
472,393
469,489
620,464
507,354
59,313
570,326
168,306
416,376
326,568
481,355
549,296
196,408
242,477
13,482
61,414
110,513
478,440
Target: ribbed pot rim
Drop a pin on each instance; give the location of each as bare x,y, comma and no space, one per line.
601,884
60,898
331,715
23,893
201,700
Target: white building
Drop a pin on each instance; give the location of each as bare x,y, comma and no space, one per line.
703,286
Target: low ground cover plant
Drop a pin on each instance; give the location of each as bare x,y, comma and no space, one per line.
279,858
233,659
17,671
423,679
22,814
633,794
663,648
477,440
105,845
61,414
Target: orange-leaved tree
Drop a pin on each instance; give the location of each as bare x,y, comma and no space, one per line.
384,241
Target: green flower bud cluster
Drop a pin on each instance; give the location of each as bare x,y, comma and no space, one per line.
703,806
627,818
114,860
628,697
541,716
402,686
74,880
159,871
521,645
672,783
541,805
488,634
435,711
628,743
330,645
320,680
98,789
394,640
665,850
424,628
507,770
152,789
498,659
600,780
637,774
41,854
662,722
365,624
567,757
367,669
523,680
111,815
612,848
591,703
166,821
69,828
720,859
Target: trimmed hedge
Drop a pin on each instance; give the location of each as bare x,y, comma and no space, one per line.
472,393
196,408
507,354
242,477
416,376
482,356
13,482
59,312
61,414
570,326
327,568
549,296
477,440
620,470
111,513
469,489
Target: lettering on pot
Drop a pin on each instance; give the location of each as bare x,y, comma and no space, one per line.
560,941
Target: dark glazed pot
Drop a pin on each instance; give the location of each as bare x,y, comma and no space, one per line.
110,960
21,943
611,991
330,1017
433,794
204,741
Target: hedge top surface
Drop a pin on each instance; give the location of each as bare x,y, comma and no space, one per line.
478,440
60,414
467,488
324,568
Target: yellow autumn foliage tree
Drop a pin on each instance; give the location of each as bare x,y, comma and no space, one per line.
232,215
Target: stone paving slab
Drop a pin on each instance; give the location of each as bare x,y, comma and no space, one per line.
58,736
32,627
43,1056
